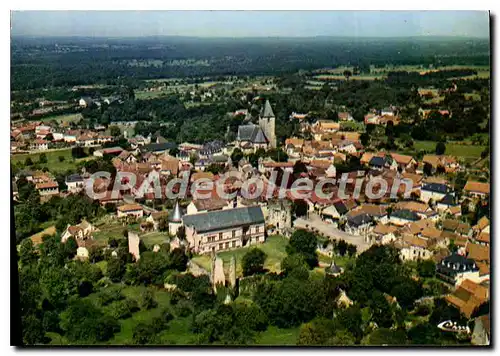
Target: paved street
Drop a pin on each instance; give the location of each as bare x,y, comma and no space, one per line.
314,221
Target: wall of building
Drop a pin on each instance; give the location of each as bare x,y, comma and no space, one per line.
425,196
222,240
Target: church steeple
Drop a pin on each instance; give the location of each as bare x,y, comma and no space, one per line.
177,214
267,110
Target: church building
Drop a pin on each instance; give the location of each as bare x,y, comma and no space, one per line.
252,137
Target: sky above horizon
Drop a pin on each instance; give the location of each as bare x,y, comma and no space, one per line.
250,23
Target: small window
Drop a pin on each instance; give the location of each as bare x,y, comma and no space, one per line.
220,246
234,233
227,244
257,229
220,235
234,244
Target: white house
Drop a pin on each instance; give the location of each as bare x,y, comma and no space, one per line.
75,183
126,210
434,191
456,268
40,145
82,231
414,248
383,234
85,102
361,224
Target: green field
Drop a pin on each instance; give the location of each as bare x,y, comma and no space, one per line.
53,163
277,336
63,118
112,228
381,73
145,95
472,96
155,238
326,77
452,149
274,247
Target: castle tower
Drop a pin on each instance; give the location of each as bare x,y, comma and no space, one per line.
133,245
218,276
175,220
267,123
232,272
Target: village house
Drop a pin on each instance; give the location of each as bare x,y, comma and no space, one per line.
433,191
403,217
169,166
483,239
337,210
201,175
155,217
458,227
371,118
269,166
404,162
475,189
422,210
102,139
379,163
158,148
134,210
47,189
324,127
478,252
224,229
82,231
111,151
377,212
70,137
446,163
293,147
86,140
359,225
387,111
345,116
383,234
468,297
128,157
483,225
205,205
456,268
85,101
75,183
139,140
40,145
413,248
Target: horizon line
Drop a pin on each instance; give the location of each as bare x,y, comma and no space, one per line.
251,37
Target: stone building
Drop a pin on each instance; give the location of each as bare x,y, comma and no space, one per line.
224,229
280,216
133,245
252,137
175,220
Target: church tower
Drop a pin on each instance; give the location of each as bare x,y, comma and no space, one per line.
267,123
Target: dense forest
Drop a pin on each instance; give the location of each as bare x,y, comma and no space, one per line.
46,62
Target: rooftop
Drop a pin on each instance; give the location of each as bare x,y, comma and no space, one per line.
224,219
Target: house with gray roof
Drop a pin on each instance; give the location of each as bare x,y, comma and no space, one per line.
225,229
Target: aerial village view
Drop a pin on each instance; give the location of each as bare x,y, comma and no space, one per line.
313,190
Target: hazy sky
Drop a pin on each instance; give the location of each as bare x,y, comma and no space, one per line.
251,23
